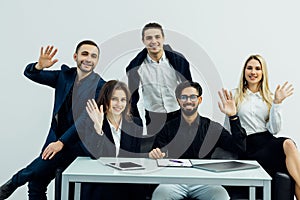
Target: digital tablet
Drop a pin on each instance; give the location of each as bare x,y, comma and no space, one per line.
125,165
225,166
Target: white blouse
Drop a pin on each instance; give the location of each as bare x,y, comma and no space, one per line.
116,136
253,114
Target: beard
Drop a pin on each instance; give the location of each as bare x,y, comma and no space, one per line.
189,112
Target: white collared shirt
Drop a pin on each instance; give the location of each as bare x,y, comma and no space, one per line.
159,81
253,114
116,136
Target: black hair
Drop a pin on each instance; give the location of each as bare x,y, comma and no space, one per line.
187,84
150,26
90,42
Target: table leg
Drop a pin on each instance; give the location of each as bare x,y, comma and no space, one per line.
251,193
77,191
64,188
267,190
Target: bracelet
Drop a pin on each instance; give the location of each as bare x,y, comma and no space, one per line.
233,117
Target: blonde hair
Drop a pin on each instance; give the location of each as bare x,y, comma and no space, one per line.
263,86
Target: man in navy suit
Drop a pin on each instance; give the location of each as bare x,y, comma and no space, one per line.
73,87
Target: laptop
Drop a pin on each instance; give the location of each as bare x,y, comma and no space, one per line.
225,166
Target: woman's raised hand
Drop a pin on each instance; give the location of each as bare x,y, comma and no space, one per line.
283,92
96,114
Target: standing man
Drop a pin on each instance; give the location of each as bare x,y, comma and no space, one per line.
157,70
184,137
73,87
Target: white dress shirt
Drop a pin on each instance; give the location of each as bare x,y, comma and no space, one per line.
116,136
253,113
159,81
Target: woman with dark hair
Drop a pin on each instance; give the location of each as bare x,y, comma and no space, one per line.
113,133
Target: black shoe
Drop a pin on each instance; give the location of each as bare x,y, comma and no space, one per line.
7,189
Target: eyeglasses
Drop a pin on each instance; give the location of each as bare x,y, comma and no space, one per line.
192,97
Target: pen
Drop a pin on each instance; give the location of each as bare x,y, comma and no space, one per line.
175,161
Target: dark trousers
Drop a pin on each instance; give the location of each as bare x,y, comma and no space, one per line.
39,172
156,121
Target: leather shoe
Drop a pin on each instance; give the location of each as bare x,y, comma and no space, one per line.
7,189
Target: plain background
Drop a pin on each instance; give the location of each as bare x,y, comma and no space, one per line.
227,31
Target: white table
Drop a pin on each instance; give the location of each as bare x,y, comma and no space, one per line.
84,169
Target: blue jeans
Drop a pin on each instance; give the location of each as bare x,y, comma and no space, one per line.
180,191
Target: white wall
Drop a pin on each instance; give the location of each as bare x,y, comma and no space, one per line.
227,30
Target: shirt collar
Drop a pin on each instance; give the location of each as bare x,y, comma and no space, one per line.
250,93
113,128
150,60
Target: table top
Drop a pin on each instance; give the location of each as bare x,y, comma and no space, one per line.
85,169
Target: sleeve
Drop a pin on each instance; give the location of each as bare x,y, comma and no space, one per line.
44,77
236,141
274,123
134,80
92,142
133,85
162,139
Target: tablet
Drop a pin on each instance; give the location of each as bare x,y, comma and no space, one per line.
125,165
225,166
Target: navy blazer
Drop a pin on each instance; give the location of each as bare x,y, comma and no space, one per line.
104,146
62,81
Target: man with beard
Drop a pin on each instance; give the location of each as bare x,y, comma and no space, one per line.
185,137
73,87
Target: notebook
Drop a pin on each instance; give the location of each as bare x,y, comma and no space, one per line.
225,166
125,165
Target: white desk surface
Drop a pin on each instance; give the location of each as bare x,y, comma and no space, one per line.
84,169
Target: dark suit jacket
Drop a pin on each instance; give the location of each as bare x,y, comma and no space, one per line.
199,140
104,146
62,81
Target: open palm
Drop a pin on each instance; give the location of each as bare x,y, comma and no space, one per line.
227,104
96,114
46,57
283,92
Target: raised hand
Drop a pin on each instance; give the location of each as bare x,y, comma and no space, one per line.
46,58
283,92
227,104
96,115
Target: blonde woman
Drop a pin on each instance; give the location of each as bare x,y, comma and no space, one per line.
259,112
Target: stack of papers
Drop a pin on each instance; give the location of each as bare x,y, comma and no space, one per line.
174,163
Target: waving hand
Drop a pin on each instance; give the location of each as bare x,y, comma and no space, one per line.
46,58
96,115
227,104
283,92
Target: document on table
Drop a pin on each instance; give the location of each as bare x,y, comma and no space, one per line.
174,163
